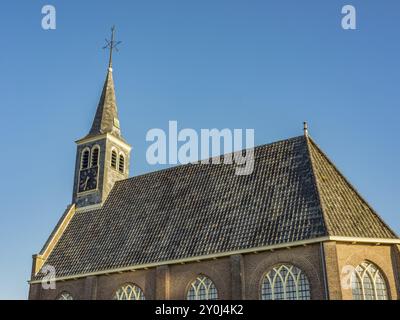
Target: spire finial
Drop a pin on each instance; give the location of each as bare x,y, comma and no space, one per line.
305,128
111,44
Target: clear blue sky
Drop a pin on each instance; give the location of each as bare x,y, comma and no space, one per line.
266,65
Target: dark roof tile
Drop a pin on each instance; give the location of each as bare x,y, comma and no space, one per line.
194,210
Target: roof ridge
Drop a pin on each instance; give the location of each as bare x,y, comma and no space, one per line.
349,184
316,185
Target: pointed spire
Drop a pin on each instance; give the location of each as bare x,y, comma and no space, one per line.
106,118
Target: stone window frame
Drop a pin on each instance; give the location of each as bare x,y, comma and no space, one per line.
121,154
202,278
359,275
96,146
115,151
298,281
65,295
136,290
84,150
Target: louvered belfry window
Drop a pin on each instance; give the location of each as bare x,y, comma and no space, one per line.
95,157
121,165
114,159
85,159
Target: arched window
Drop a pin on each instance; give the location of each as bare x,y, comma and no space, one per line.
114,159
202,289
129,292
85,159
285,282
95,156
368,283
121,164
65,296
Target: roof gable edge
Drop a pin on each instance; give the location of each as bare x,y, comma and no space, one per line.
349,184
54,237
316,185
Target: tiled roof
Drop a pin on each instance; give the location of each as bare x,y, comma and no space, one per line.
295,193
346,213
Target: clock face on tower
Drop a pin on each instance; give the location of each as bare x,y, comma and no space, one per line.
87,179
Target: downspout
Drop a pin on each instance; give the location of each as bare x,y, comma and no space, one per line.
325,276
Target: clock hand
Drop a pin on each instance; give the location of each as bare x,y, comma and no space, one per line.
86,182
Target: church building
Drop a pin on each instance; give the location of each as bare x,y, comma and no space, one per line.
294,229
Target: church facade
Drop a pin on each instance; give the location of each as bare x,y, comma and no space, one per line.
294,229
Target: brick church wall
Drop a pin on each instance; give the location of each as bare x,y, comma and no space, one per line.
236,277
383,256
239,276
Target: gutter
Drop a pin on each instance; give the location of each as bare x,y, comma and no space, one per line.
352,240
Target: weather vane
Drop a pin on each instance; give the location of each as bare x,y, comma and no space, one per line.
111,44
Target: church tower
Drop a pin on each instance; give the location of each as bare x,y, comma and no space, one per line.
102,156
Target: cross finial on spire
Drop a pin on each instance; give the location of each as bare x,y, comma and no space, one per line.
111,44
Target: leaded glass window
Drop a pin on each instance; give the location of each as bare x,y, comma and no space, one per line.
129,292
65,296
202,289
285,282
368,283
